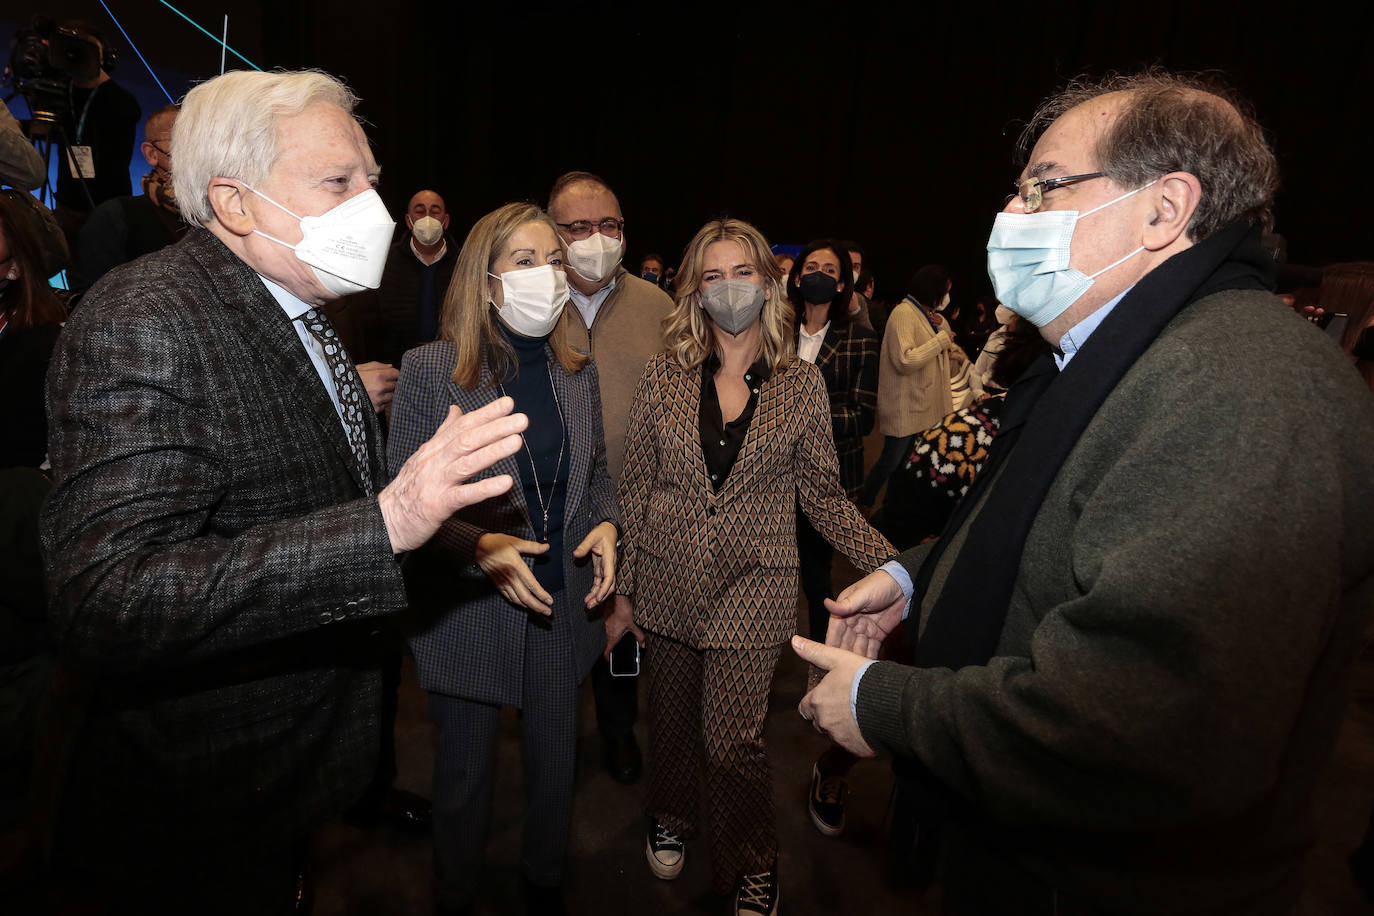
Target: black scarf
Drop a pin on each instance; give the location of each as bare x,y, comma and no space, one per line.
1045,413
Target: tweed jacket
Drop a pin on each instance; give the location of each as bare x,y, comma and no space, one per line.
719,570
848,360
468,640
214,567
914,377
1171,673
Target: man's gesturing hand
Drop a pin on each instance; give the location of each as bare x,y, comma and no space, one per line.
826,706
865,614
429,487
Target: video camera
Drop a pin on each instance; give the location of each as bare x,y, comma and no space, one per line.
44,60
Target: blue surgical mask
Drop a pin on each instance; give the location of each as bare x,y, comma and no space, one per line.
1028,261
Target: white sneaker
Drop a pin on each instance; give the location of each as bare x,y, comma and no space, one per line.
665,851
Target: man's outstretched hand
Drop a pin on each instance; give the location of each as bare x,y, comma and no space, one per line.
431,484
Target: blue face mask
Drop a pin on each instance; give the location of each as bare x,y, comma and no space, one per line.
1028,261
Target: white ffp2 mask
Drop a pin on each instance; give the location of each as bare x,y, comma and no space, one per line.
345,246
595,257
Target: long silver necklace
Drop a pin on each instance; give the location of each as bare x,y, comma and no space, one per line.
545,505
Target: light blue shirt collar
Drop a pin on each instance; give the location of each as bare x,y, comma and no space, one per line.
292,306
1074,339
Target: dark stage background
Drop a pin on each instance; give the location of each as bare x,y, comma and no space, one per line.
892,124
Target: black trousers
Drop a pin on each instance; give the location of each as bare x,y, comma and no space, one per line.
815,555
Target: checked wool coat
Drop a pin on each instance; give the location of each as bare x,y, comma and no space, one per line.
719,570
848,360
468,640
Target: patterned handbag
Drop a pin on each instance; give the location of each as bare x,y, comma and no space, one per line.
950,453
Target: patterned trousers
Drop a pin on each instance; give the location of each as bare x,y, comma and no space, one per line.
712,703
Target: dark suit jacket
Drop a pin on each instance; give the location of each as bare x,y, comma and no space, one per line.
213,566
719,570
468,640
848,359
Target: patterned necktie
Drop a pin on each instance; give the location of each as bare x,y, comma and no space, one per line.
350,394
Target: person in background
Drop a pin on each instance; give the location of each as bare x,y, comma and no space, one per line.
819,288
651,269
729,441
858,302
618,319
124,228
914,377
505,599
97,131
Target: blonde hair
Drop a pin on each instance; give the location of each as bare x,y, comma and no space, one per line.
689,335
467,317
228,129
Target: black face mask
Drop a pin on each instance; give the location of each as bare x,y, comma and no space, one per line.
818,288
649,277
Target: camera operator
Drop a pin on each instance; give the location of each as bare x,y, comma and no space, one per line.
97,137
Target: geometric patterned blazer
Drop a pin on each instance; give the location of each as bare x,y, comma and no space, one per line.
215,571
468,640
720,570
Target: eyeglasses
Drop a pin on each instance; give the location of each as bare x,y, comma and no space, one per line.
164,152
1032,190
581,229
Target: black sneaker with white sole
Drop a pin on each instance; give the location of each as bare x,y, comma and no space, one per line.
826,804
665,851
757,895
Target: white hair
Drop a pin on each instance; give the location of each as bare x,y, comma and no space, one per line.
228,129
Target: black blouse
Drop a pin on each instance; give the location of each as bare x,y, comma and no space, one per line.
721,441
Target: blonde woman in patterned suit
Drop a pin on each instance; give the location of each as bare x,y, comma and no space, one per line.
728,433
504,596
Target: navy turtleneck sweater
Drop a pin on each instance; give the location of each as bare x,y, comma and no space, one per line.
532,390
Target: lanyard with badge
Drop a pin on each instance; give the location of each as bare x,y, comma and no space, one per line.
80,159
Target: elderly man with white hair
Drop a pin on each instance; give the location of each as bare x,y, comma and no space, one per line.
222,539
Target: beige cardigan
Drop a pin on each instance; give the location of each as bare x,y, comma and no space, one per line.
913,376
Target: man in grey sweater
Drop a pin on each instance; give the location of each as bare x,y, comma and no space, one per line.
1135,632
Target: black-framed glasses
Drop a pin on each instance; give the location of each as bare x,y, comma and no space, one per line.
581,228
1032,190
164,152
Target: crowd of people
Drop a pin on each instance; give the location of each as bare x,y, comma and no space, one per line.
1108,603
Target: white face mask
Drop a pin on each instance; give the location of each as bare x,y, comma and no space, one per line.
1028,261
944,304
532,299
427,230
595,257
346,246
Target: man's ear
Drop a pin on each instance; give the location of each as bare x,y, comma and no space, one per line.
149,153
1174,199
226,200
410,221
